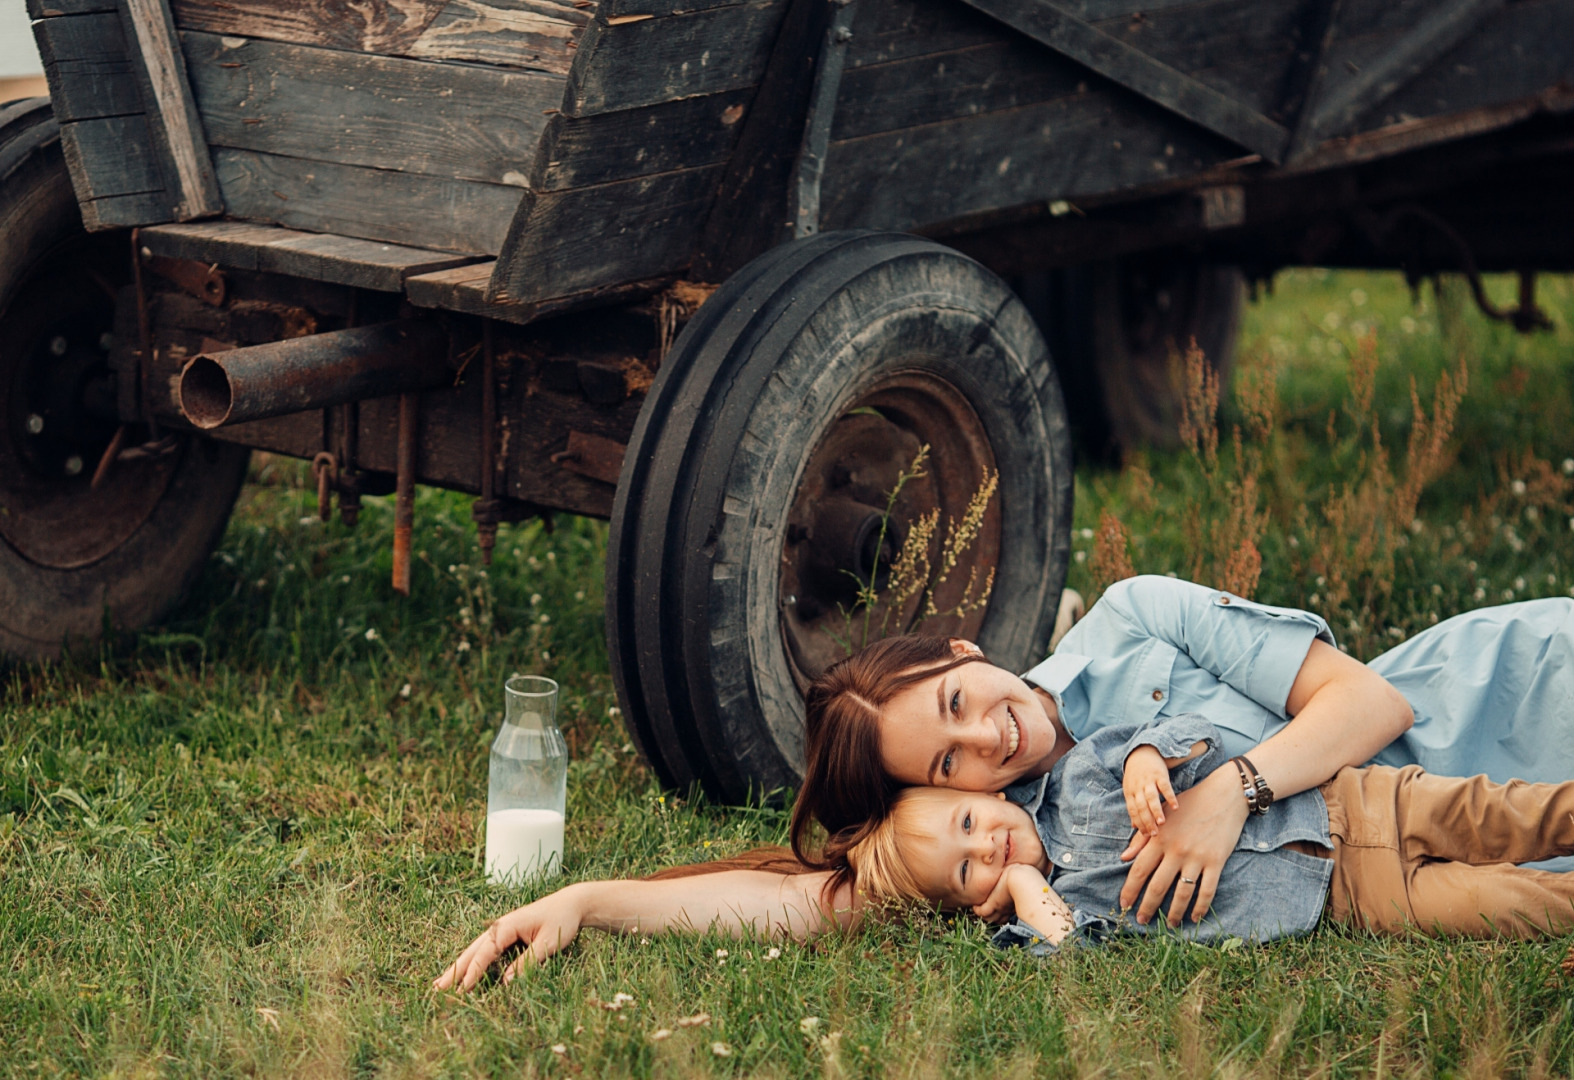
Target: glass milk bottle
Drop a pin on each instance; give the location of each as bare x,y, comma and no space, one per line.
529,785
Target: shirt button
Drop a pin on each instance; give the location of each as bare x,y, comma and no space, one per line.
1065,857
1158,695
1224,599
1262,845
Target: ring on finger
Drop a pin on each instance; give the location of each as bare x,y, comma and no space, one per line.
1188,880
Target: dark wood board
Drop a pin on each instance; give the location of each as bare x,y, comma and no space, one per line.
450,120
90,72
173,120
1523,49
604,147
48,9
648,61
890,30
374,204
464,289
533,34
340,260
570,241
112,155
1091,144
611,10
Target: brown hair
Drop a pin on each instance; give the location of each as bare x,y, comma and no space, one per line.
845,785
880,868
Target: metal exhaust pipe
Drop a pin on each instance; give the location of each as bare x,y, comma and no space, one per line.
313,372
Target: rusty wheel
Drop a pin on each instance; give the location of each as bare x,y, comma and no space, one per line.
75,558
753,499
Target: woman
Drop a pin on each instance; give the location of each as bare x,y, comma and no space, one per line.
1489,691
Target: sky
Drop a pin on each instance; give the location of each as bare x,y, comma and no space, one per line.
18,54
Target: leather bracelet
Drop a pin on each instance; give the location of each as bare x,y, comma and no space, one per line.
1259,796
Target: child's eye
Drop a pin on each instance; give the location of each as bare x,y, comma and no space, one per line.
945,766
964,874
967,823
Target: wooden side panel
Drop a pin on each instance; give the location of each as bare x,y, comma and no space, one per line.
109,148
645,61
638,142
449,120
1091,144
171,109
534,34
374,204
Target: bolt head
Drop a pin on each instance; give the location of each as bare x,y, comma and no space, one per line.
35,424
73,464
106,341
58,345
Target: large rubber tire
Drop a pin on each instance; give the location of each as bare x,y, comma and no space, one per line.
846,336
76,561
1114,328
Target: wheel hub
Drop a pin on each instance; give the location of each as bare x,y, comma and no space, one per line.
58,417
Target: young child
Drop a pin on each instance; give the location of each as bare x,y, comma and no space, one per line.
1376,847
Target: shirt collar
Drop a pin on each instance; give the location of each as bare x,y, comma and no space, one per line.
1055,674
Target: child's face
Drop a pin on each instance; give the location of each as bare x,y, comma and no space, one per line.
959,843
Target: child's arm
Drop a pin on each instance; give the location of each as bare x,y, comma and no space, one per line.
734,901
1037,905
1146,782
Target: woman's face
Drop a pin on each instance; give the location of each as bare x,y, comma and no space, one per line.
976,727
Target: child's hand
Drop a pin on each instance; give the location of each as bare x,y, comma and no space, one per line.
998,907
1038,905
1147,787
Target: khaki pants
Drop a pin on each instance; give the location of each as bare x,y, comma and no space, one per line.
1437,853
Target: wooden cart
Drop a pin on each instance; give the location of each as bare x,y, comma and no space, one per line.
715,269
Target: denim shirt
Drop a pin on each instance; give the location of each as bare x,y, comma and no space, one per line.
1264,892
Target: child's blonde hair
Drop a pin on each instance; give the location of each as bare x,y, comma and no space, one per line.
880,872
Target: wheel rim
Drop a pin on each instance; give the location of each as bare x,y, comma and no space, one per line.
838,532
58,417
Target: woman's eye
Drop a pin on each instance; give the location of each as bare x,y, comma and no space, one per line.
956,701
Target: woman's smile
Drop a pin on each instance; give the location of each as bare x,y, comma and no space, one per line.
1013,735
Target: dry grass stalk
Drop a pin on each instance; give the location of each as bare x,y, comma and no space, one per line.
958,540
1111,552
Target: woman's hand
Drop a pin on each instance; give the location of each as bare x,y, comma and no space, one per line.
1192,846
544,928
1146,782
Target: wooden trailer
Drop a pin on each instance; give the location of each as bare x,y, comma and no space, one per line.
715,269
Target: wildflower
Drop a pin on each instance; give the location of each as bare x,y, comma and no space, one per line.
535,598
1394,632
1517,487
551,556
1552,579
1480,593
1416,526
559,1048
579,594
309,519
1508,594
1519,584
1437,590
613,710
1321,581
262,582
1568,466
1087,534
371,633
720,1049
1532,513
1407,324
453,568
1357,297
1294,541
808,1024
697,1020
545,619
721,954
344,579
660,1033
773,954
1082,556
463,646
404,691
546,655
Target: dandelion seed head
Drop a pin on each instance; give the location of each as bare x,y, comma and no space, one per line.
773,954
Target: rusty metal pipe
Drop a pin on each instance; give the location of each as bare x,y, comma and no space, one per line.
313,372
404,496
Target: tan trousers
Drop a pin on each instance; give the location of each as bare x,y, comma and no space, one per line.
1437,853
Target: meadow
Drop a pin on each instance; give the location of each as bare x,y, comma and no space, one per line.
244,841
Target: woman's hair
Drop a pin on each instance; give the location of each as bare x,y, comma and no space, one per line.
774,858
845,785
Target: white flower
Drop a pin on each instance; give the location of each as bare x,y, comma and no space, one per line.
1357,297
1437,590
613,710
1321,581
773,954
344,579
1517,487
452,568
310,519
545,619
1552,579
1508,594
551,556
404,691
371,633
696,1020
1532,514
1087,534
1396,633
579,594
559,1048
1416,526
1407,324
1081,556
535,598
463,646
1480,593
1519,584
1294,541
808,1024
721,954
1568,466
660,1033
720,1049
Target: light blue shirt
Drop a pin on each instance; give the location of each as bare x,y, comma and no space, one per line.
1492,689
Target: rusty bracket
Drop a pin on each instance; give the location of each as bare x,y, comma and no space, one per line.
325,467
404,492
594,456
201,280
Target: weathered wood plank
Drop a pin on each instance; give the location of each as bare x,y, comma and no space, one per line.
171,109
464,289
451,120
1091,144
1345,102
89,70
1174,90
49,9
891,30
1521,51
626,65
339,260
374,204
535,34
567,242
111,155
604,147
750,212
611,10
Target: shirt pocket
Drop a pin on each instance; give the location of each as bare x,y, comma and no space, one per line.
1100,813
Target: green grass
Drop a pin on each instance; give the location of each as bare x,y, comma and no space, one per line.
244,842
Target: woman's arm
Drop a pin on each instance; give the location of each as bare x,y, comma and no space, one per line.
1343,713
733,901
